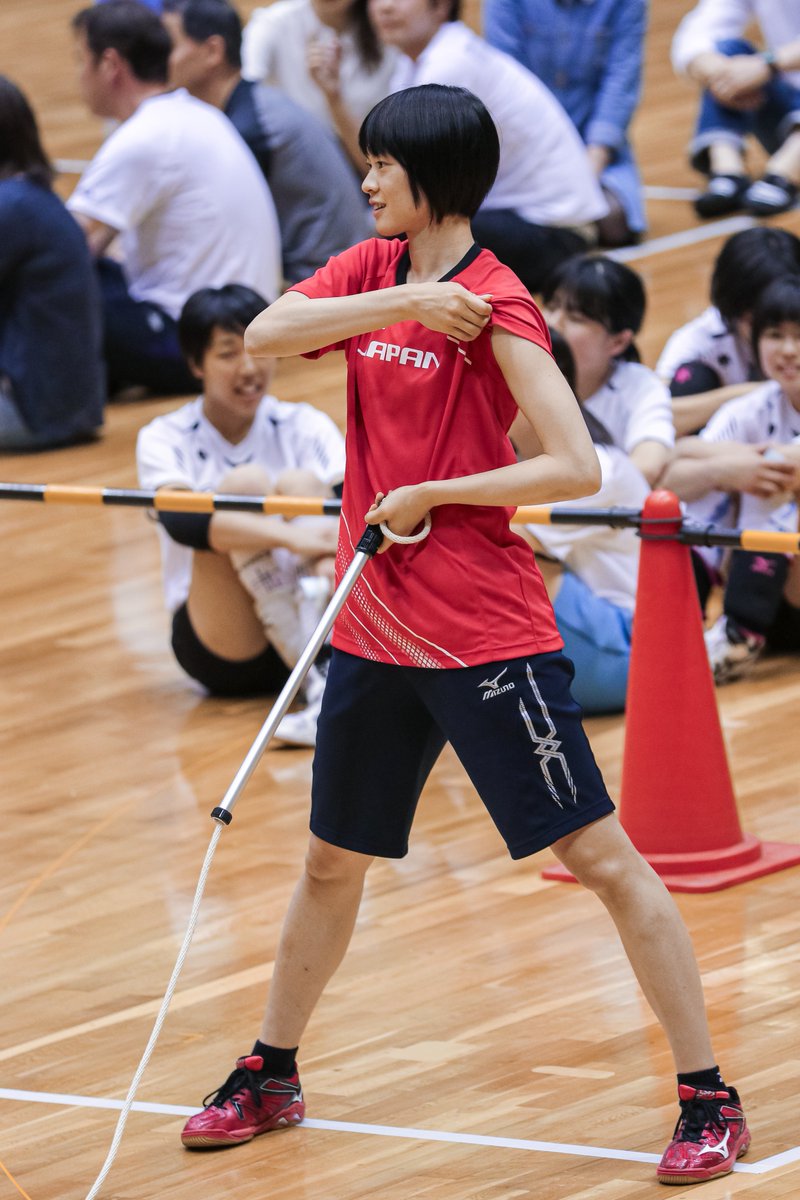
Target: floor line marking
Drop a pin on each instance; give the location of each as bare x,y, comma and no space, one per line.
685,237
12,1180
426,1135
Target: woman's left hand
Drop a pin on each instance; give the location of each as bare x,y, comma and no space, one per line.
403,510
324,61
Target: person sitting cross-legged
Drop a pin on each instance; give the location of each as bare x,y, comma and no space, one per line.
245,589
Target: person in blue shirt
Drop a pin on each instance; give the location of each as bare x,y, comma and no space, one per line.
589,54
52,380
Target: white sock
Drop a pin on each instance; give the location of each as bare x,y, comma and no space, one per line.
271,578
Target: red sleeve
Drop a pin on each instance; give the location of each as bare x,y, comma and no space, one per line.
521,316
346,274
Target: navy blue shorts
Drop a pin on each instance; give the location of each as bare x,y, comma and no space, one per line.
514,726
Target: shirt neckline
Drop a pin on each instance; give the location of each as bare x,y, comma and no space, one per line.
405,262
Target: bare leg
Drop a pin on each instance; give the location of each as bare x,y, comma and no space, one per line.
724,158
316,934
786,161
652,931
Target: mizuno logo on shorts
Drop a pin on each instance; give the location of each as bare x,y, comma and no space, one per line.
495,688
406,356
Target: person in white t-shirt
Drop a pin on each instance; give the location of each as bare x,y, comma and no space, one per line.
598,305
745,91
323,54
546,200
591,571
244,589
177,184
745,466
710,359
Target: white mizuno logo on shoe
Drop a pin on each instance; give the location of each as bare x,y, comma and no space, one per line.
721,1146
494,686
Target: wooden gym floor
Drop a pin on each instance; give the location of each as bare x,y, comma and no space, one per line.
484,1039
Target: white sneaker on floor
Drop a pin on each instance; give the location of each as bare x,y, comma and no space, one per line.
300,728
732,651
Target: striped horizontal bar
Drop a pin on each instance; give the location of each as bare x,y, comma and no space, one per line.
179,500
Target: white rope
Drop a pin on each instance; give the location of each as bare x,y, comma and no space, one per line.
162,1012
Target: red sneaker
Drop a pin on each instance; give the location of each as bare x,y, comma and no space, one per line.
710,1135
249,1102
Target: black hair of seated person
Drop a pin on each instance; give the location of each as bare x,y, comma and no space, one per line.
231,307
431,130
203,19
133,30
748,261
603,290
21,150
566,365
779,302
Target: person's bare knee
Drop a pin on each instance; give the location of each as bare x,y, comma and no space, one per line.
602,858
247,480
331,866
298,482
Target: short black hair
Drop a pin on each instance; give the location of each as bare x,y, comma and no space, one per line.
779,301
133,30
604,290
443,138
231,307
203,19
21,150
747,262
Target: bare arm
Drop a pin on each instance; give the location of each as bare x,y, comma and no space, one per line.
651,457
294,324
99,236
699,467
693,412
566,469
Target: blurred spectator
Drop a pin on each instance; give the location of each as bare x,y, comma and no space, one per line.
711,360
234,581
744,91
52,384
546,199
325,55
321,211
748,459
598,305
591,571
590,56
179,185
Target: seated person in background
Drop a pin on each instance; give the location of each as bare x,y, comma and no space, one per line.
52,383
744,92
545,200
711,360
180,186
590,57
598,306
745,464
245,589
591,571
323,54
321,210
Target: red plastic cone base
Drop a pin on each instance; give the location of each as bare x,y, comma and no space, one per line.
701,873
677,802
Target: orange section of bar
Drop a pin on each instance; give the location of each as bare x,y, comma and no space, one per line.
772,543
62,494
294,506
174,500
532,514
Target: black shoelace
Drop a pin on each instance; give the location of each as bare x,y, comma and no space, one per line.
236,1082
695,1115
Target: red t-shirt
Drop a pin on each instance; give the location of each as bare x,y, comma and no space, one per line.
422,405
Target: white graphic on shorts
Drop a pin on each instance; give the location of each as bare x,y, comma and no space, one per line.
548,747
494,686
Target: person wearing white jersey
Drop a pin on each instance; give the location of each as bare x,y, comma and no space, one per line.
747,459
598,305
178,185
546,199
710,359
324,55
745,92
591,571
244,589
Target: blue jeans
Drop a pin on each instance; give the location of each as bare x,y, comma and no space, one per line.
771,122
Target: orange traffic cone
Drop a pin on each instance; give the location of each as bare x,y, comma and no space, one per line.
677,800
